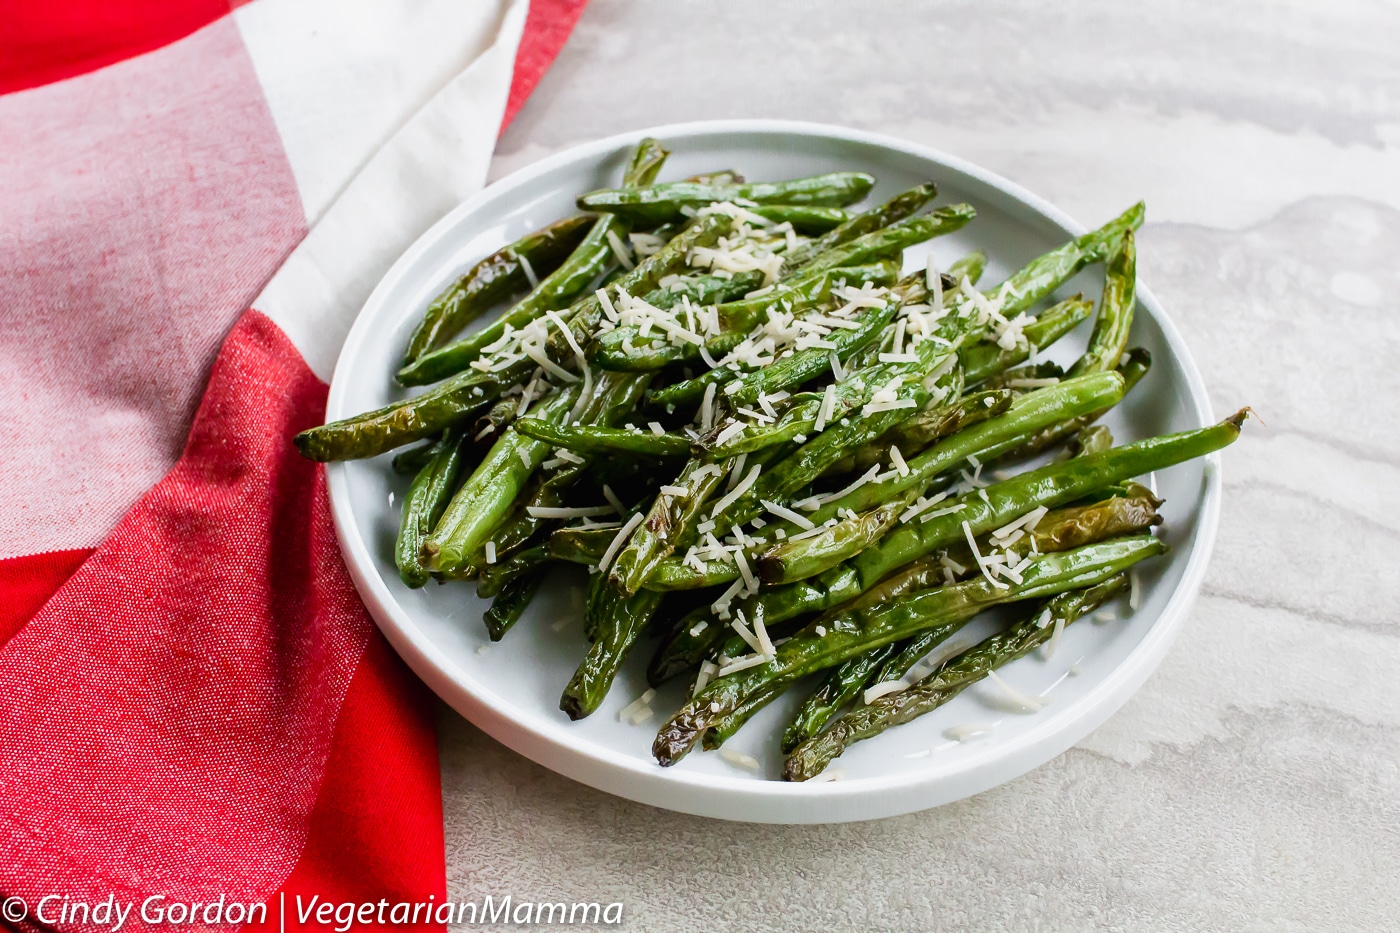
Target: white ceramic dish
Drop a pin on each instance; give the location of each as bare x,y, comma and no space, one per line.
511,689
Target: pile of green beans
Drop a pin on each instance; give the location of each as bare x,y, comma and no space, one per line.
776,451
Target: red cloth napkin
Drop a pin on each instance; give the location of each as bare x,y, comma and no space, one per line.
193,701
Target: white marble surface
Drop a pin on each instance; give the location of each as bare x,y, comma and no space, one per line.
1254,783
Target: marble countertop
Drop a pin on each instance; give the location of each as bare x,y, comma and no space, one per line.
1254,782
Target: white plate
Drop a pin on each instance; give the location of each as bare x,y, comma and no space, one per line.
511,689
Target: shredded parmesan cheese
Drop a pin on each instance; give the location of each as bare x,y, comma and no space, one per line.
546,511
529,271
707,407
817,502
897,459
799,520
1054,641
617,541
739,759
761,633
743,664
613,500
1028,703
884,688
733,495
708,669
620,251
743,632
965,732
829,775
642,702
981,562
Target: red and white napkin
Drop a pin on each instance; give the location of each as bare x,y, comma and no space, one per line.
194,202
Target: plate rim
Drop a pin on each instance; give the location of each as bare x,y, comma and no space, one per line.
769,801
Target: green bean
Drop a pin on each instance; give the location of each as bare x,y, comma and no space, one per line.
645,163
855,631
659,203
610,350
671,259
1049,486
482,502
789,561
813,458
670,518
409,462
890,240
804,411
689,643
1020,379
953,331
927,427
802,293
615,621
983,360
615,349
913,288
520,527
1042,275
591,439
613,396
1134,368
805,218
1132,511
494,578
810,758
689,391
672,575
619,394
493,279
721,731
1060,530
463,395
801,366
704,289
841,686
1052,485
801,416
1048,272
580,545
1129,510
556,291
496,418
427,497
969,267
409,420
808,364
507,608
1115,317
1027,415
897,208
